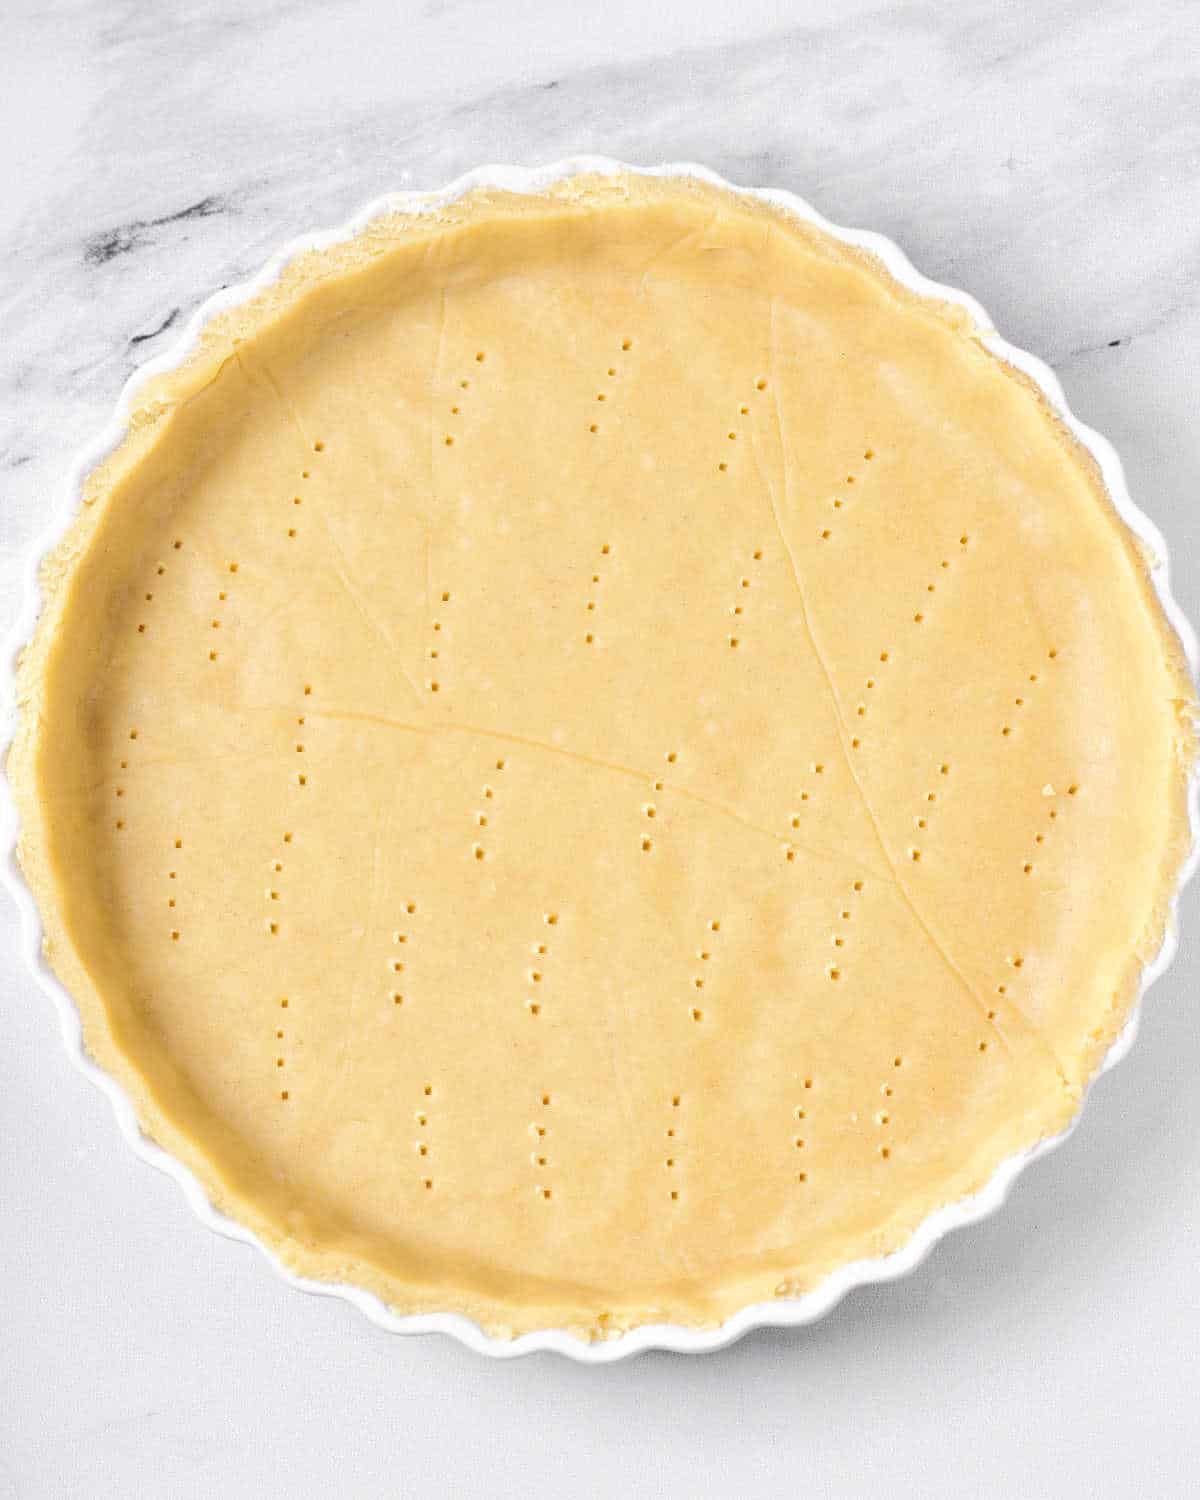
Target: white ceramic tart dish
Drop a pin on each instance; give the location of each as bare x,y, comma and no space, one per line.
595,761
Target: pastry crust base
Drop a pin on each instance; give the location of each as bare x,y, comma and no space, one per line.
778,628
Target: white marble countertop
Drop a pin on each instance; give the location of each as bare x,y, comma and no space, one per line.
1044,156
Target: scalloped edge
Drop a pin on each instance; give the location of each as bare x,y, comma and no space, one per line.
781,1313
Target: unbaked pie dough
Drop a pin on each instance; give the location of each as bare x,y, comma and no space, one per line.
590,759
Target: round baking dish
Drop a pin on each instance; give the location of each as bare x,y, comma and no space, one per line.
780,1312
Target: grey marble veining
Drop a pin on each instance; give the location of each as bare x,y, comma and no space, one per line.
1042,154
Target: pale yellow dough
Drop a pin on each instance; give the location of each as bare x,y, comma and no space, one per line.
590,759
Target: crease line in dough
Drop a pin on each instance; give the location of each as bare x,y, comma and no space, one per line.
840,724
827,856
